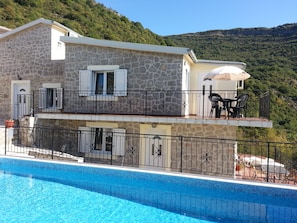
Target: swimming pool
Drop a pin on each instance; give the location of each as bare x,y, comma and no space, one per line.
147,196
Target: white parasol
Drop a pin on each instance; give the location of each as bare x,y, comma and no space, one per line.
227,73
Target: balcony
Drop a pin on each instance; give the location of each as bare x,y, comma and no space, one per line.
182,104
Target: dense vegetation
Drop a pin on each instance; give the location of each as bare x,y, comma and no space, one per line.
270,54
86,17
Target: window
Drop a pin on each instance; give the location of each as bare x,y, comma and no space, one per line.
103,82
240,84
102,140
50,98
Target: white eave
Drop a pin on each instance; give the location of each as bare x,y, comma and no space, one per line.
146,48
128,45
36,22
218,62
4,29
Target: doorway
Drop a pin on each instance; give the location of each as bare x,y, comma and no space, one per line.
155,147
20,98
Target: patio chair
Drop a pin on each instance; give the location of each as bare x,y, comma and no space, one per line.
238,110
215,99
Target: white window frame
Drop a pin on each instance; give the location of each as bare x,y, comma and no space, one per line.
240,84
57,96
87,82
106,132
87,140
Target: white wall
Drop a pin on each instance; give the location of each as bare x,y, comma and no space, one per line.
200,104
57,46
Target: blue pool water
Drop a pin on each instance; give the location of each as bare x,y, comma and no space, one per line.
38,191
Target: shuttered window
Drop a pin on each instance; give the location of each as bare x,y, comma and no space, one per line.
102,140
51,98
103,82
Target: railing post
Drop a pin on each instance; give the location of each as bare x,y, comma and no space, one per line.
5,140
145,103
32,107
181,153
52,144
267,167
203,94
112,135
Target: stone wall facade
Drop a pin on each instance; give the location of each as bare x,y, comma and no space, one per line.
26,55
156,73
201,149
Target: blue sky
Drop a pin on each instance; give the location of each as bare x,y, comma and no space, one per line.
169,17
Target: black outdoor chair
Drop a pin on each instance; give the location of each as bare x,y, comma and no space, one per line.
215,99
238,110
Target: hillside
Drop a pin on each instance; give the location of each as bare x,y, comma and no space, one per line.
271,58
270,54
83,16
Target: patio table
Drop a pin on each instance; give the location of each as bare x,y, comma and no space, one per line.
227,104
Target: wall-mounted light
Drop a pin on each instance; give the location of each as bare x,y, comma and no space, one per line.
154,125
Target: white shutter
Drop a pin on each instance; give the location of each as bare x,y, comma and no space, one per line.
42,98
84,139
120,82
59,98
85,82
118,142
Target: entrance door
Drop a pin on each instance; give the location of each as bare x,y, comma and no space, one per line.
21,99
155,149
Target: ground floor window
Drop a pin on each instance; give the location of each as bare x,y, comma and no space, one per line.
102,139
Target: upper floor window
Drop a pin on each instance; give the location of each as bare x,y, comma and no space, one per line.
240,84
104,83
103,80
51,96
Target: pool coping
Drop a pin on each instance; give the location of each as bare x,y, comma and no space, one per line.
159,172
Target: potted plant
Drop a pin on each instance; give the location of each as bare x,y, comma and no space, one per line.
9,123
238,166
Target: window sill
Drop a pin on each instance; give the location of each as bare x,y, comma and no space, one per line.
100,152
51,110
102,98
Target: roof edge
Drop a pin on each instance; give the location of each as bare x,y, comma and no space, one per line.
242,64
127,45
33,23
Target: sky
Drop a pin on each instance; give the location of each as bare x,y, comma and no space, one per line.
173,17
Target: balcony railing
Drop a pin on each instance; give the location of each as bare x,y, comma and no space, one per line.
274,162
149,103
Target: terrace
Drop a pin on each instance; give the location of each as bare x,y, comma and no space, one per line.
183,104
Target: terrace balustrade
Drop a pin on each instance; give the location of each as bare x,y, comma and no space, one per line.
149,103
